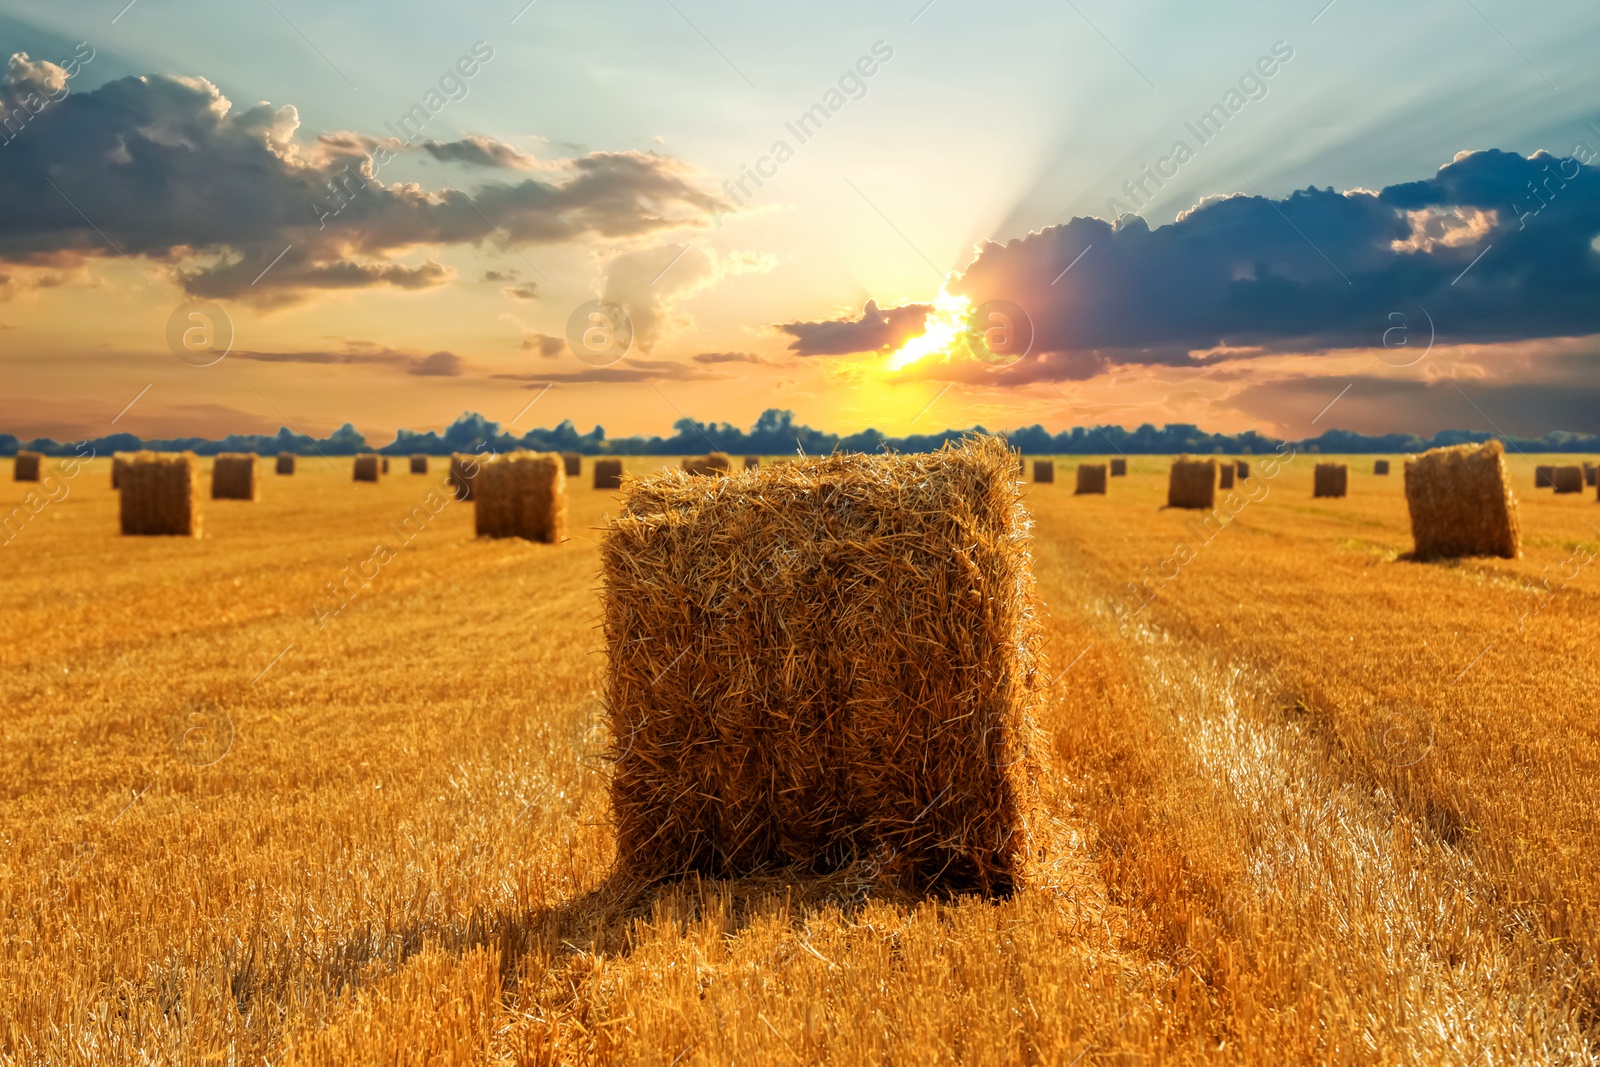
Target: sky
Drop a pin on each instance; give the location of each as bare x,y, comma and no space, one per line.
1289,217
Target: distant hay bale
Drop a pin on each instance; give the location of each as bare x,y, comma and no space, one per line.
573,462
720,462
1461,503
752,463
1567,479
160,495
1242,469
119,463
715,463
608,474
26,467
824,661
521,494
1380,466
463,469
285,463
1225,473
419,464
1091,479
1192,483
1044,470
1330,480
1543,477
1588,474
1119,468
385,461
367,469
233,476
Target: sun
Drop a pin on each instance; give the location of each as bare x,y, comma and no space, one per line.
945,332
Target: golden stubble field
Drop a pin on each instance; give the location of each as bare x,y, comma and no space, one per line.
1312,803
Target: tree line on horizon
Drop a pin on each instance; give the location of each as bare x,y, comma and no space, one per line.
776,433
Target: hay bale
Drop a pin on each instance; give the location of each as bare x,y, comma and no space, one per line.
1091,479
385,461
1543,477
285,463
1588,474
160,495
608,474
1461,503
233,476
832,659
1044,470
522,494
715,463
573,462
1119,468
1380,466
367,469
1192,483
1225,474
463,469
119,463
26,467
1242,468
1567,479
419,464
752,463
1330,480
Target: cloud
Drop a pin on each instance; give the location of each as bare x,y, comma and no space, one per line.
523,291
438,365
547,346
729,357
649,284
479,151
1315,271
170,170
629,370
356,353
874,331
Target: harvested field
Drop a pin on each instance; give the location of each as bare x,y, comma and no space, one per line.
1278,829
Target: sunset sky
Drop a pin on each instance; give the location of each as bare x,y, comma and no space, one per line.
497,166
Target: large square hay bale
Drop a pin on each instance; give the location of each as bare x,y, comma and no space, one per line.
1242,468
419,464
1119,468
1543,477
367,469
573,462
1044,470
1588,474
832,659
26,467
1380,466
752,463
1192,483
233,476
1461,503
285,463
522,494
463,470
1567,479
608,474
119,463
1225,473
160,494
1091,478
1330,480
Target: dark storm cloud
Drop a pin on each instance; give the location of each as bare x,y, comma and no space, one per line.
874,331
1318,270
167,168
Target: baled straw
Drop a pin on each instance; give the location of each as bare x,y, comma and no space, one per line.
233,476
752,462
463,469
1225,473
419,464
366,469
573,462
826,660
1192,483
1543,477
119,463
1044,470
608,474
1567,479
1242,468
1119,468
522,494
1091,479
1330,480
160,495
1380,466
385,461
285,463
26,467
1588,474
1461,503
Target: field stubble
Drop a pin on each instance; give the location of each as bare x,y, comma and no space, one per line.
1313,804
